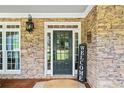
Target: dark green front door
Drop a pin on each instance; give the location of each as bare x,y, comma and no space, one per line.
62,52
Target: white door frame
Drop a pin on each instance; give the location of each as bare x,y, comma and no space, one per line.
50,30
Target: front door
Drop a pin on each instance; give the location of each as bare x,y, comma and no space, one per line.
62,52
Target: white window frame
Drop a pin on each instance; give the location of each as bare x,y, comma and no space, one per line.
50,30
4,30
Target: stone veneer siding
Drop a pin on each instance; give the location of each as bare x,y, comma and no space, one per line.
32,47
90,26
106,51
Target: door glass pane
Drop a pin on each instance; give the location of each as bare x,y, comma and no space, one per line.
1,55
48,51
1,61
76,50
62,45
0,40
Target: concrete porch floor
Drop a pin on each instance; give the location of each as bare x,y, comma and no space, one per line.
59,83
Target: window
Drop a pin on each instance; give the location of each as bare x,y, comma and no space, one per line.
12,26
10,49
62,26
76,51
1,53
48,51
12,40
1,26
12,46
1,62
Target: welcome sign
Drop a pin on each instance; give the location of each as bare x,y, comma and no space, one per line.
82,62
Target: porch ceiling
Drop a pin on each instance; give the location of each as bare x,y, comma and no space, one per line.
45,11
43,8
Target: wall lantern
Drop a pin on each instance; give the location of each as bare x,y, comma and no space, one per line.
29,24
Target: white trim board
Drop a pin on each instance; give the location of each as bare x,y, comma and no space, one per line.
48,15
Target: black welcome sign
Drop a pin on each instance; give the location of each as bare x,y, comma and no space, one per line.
82,62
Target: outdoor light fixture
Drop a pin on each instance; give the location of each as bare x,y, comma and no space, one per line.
29,24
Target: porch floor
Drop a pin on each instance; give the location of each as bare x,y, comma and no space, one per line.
59,83
40,83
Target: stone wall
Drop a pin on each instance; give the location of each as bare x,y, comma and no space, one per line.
32,47
90,27
83,32
110,46
106,51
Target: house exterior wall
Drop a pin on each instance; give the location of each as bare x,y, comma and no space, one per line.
90,27
105,66
32,47
106,51
110,46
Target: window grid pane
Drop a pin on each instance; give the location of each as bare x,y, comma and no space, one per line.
1,26
12,44
12,26
13,60
12,40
